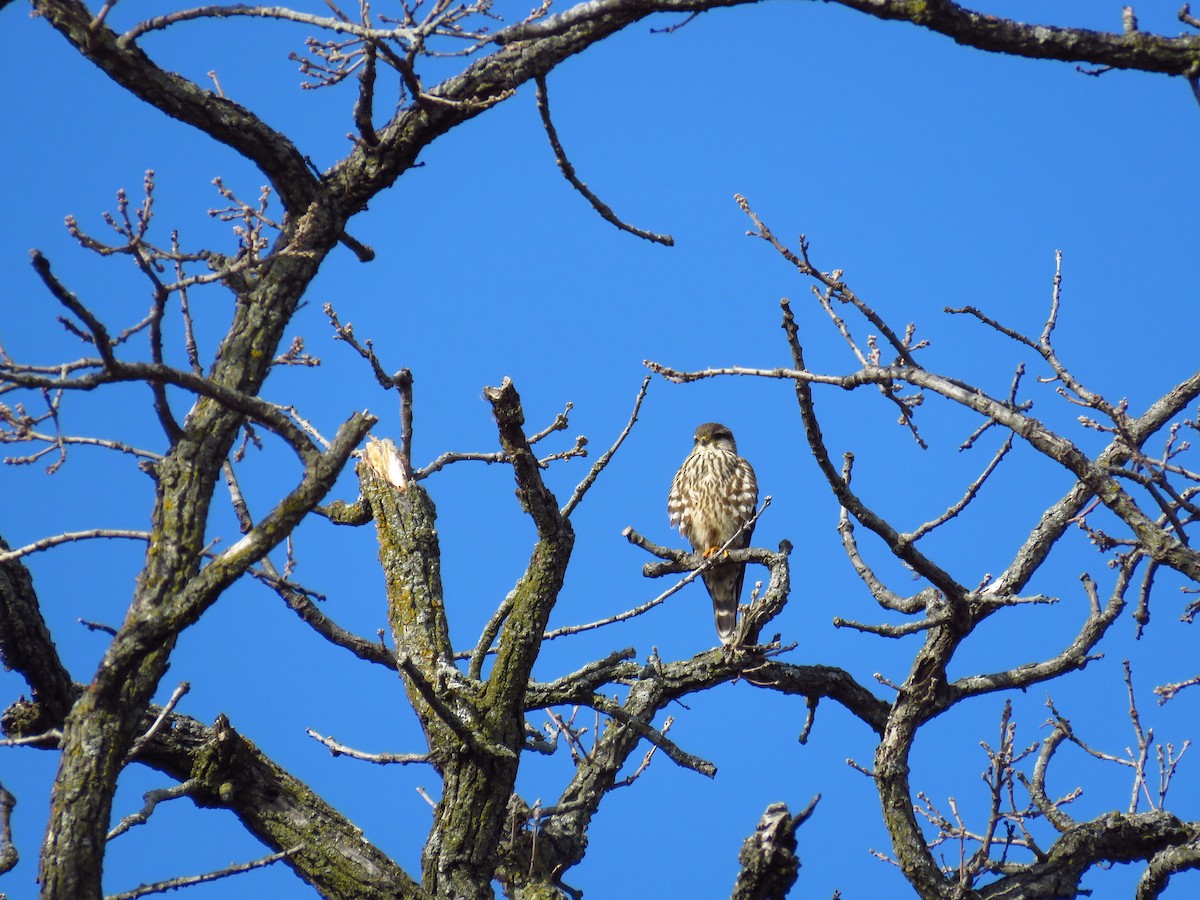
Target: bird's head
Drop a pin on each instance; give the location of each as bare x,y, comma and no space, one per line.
716,435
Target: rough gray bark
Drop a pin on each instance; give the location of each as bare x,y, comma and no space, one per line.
768,857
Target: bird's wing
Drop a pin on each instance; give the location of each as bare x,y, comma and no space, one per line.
675,502
746,492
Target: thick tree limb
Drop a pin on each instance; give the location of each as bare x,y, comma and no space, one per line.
230,772
475,732
826,681
1138,50
534,596
106,714
1111,838
8,851
1165,863
411,559
173,589
25,643
768,857
213,114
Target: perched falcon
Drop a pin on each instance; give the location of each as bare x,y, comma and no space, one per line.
713,494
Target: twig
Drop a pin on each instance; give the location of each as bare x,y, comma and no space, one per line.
66,537
645,763
560,423
598,467
971,492
57,441
810,717
621,616
425,796
16,377
100,16
671,29
97,626
841,292
153,798
578,751
99,335
1143,742
894,631
655,736
564,165
1168,691
163,886
675,558
1051,809
884,596
337,749
142,741
451,456
861,769
50,738
346,333
304,424
499,456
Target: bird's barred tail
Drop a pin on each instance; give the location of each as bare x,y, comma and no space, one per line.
724,585
725,612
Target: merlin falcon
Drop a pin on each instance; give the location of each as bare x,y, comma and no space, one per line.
713,494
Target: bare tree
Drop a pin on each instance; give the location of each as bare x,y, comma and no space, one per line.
472,705
1150,495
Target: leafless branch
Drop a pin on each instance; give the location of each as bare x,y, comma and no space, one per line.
49,738
382,759
568,170
160,887
153,798
676,561
176,696
1134,759
560,423
67,537
582,683
971,492
1167,548
19,376
883,595
1074,656
336,25
1168,691
653,735
582,488
60,441
573,735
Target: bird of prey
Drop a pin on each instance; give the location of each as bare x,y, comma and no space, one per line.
713,494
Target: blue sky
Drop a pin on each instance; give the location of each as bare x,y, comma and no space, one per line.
934,175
